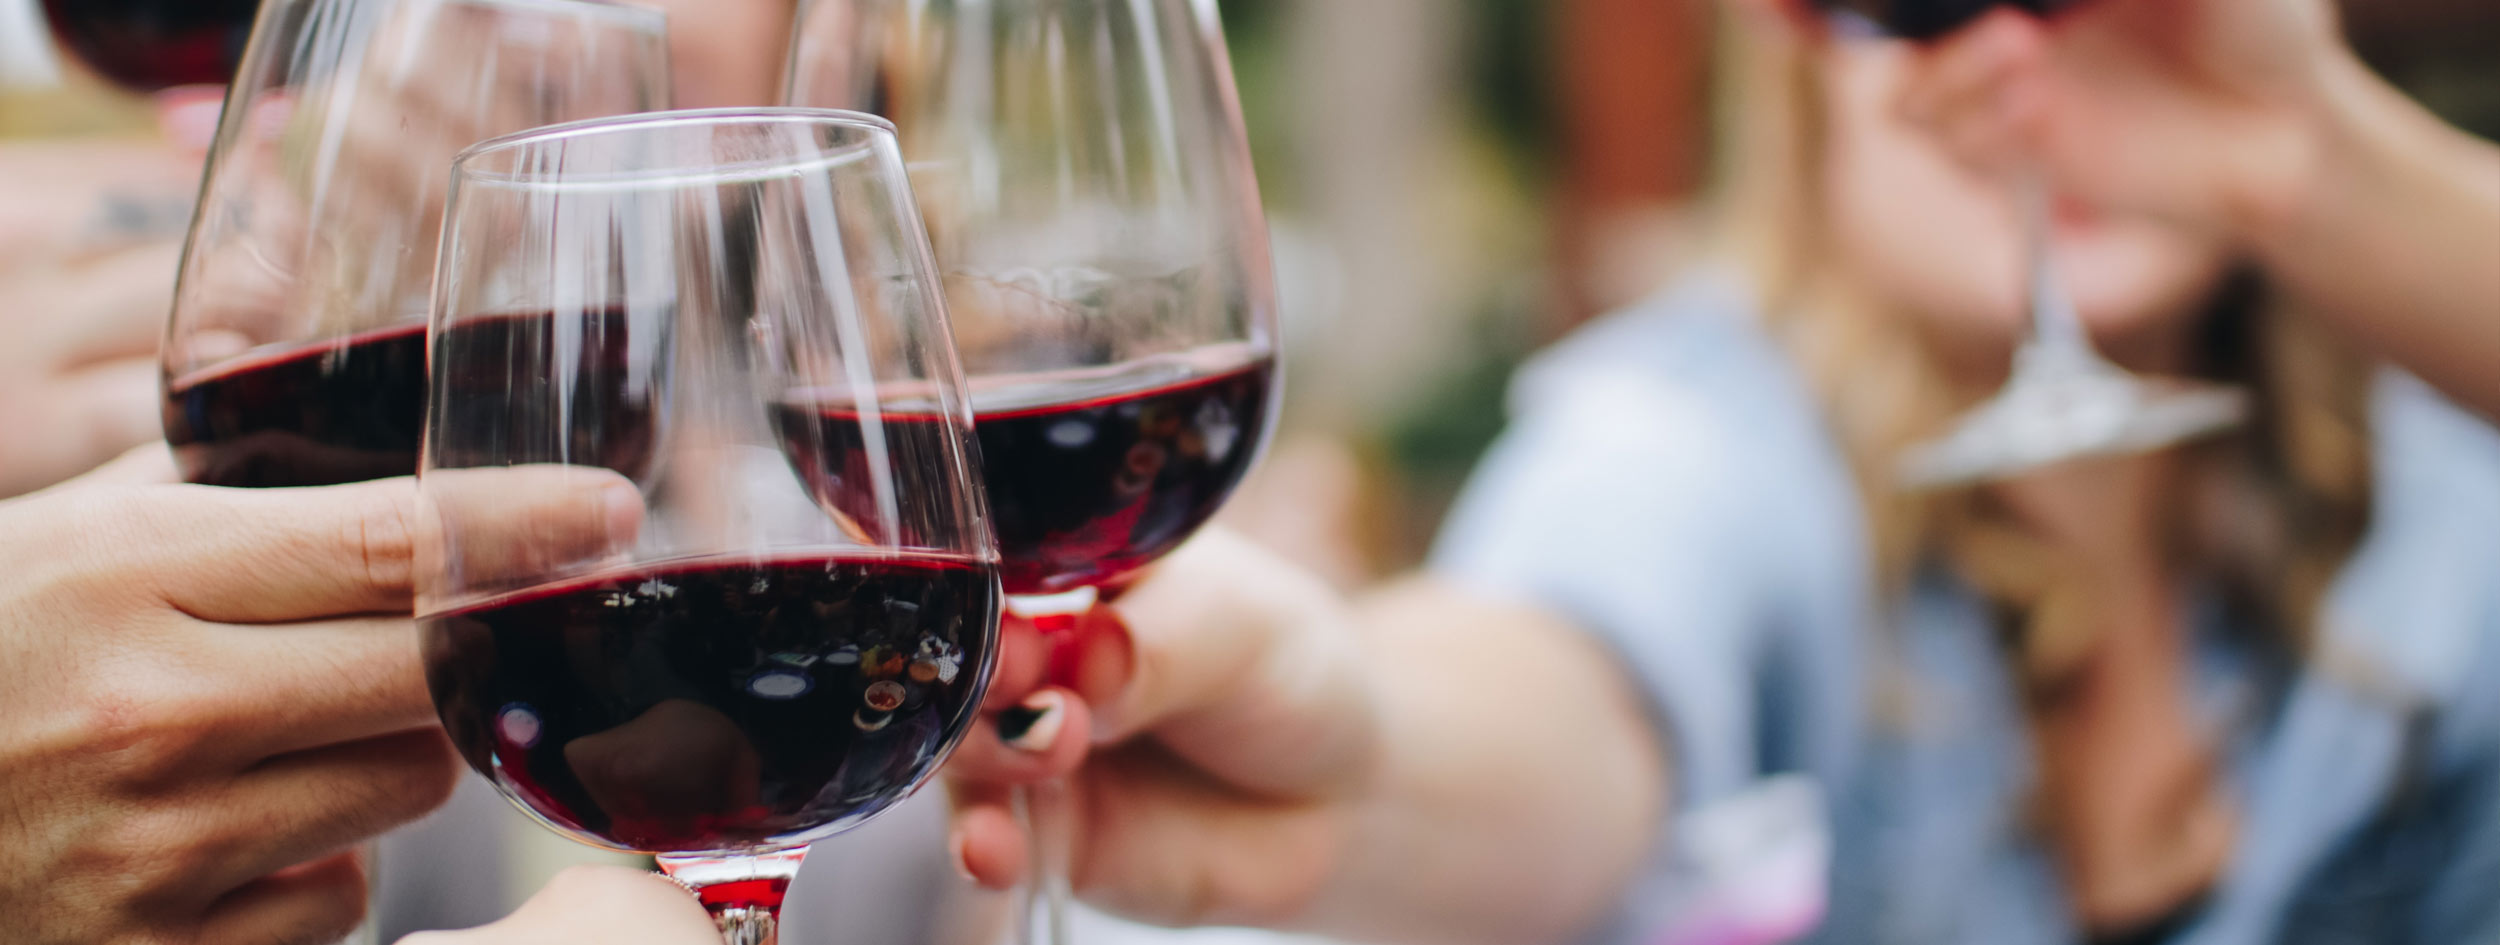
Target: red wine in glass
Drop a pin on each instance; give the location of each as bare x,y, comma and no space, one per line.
718,672
150,45
350,410
1091,474
1928,19
717,703
340,411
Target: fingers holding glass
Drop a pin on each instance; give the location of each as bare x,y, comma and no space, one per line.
800,624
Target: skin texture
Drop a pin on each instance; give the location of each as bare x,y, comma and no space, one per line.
89,234
594,905
1267,752
1323,747
208,696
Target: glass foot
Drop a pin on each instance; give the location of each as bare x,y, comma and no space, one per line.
2055,411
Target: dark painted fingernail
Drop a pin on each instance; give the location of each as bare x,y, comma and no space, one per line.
1034,725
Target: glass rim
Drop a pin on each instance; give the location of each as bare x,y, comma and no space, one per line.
648,19
462,163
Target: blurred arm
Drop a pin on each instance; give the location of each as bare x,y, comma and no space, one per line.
2396,236
1423,764
1521,785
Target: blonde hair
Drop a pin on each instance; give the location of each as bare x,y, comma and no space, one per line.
2274,512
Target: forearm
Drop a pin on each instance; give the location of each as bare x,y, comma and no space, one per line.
2393,234
1521,784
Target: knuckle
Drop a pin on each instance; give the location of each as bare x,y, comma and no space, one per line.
142,858
139,722
420,778
384,540
337,904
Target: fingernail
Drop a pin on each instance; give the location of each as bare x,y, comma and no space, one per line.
1034,725
956,844
624,507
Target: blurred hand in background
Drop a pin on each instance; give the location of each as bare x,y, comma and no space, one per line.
90,232
2207,113
2255,121
1247,746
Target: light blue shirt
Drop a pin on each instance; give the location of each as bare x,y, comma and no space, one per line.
1668,484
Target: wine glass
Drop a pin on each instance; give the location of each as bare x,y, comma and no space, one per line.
724,671
2063,401
1087,184
295,352
153,45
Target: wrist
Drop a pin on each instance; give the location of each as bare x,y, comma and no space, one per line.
2333,137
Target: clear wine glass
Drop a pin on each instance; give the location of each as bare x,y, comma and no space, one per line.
2063,401
726,670
1087,183
295,352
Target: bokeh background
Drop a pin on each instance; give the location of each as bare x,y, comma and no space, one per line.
1451,184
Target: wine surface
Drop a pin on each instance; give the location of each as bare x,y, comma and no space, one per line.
1090,476
352,409
717,705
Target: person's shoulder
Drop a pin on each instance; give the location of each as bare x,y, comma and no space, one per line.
1674,428
1695,355
2435,503
2424,441
2421,596
1699,335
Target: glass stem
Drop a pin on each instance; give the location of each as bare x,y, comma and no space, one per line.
368,932
2054,324
743,892
1041,809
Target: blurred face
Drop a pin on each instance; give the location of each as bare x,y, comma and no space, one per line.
1939,242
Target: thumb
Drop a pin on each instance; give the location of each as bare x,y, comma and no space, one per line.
595,905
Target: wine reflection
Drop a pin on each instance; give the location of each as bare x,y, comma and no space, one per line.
717,704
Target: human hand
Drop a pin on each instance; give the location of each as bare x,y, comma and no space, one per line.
208,696
594,905
89,237
1230,726
2212,114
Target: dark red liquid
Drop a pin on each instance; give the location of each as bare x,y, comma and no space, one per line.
352,409
1085,485
346,410
718,705
1928,19
146,45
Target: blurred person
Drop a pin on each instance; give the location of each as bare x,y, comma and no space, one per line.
1688,667
209,696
